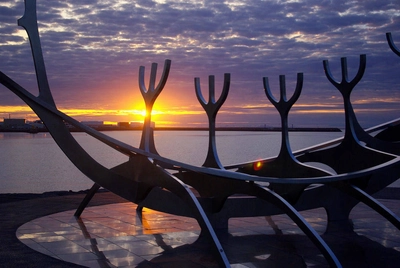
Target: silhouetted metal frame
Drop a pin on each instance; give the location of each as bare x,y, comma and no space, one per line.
219,189
144,171
392,46
123,185
211,108
351,154
149,96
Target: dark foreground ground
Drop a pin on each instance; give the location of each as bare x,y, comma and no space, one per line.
17,209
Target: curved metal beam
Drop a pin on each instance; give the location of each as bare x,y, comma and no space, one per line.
364,197
130,150
392,46
29,23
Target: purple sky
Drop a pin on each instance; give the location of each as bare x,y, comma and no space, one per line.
93,50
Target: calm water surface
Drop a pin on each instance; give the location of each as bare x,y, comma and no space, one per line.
33,163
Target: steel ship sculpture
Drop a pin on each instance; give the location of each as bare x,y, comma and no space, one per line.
362,164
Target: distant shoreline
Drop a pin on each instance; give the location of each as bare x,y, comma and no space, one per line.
255,129
264,129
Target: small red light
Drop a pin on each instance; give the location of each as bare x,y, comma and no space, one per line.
257,165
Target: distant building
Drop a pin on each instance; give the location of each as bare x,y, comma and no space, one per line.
93,124
37,124
123,124
14,123
17,125
136,124
152,124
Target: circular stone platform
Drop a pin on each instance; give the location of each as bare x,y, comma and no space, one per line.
115,235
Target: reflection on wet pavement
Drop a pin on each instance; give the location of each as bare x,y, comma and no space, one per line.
116,236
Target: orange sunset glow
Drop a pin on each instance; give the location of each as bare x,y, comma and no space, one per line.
193,115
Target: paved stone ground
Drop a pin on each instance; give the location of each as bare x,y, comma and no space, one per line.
17,209
263,242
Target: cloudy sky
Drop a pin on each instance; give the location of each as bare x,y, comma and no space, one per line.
93,50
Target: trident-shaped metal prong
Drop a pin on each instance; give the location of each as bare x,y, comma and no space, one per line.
392,46
285,165
29,23
283,106
211,108
345,86
149,96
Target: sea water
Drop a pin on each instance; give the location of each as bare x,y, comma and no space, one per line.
33,163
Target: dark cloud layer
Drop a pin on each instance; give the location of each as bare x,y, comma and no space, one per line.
93,50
